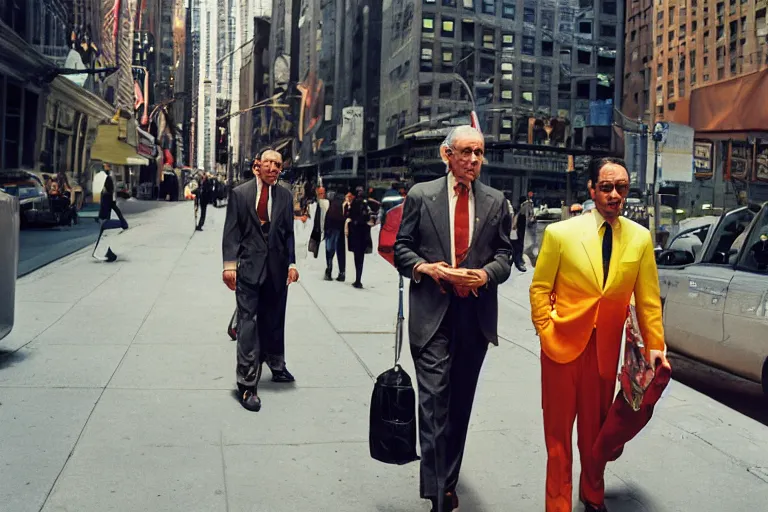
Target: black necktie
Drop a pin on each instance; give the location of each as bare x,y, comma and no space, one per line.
607,249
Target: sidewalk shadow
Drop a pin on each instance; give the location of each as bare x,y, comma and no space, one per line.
630,499
10,358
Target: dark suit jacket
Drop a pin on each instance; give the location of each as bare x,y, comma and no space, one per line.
425,236
244,243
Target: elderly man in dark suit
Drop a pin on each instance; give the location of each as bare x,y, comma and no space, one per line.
259,264
454,245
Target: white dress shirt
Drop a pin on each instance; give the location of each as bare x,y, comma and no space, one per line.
453,199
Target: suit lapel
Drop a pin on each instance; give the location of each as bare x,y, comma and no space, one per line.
483,205
437,206
591,242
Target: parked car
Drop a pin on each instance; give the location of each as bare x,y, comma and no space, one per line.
715,296
9,260
34,203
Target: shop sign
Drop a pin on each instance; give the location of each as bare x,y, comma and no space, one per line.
702,159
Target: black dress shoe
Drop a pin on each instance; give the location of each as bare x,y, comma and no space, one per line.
588,507
521,267
357,285
450,503
250,400
328,275
341,277
282,376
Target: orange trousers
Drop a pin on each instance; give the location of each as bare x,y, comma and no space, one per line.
570,391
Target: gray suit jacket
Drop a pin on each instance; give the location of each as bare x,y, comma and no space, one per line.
425,236
244,242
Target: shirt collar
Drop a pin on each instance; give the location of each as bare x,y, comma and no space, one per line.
600,220
452,184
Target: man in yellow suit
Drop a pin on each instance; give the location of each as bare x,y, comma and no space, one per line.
588,269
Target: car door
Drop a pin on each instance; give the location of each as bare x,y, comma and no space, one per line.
695,298
745,321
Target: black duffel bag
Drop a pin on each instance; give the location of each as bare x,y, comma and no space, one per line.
392,435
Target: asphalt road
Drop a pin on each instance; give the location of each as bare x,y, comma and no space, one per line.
40,246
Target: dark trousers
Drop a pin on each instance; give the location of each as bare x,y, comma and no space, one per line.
519,245
335,245
359,260
261,329
203,208
447,370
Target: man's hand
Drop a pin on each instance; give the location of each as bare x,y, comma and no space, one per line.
656,355
434,270
293,276
466,278
230,279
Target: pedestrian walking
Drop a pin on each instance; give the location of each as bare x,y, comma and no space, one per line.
108,203
359,232
205,195
521,222
259,263
335,243
589,267
454,245
318,221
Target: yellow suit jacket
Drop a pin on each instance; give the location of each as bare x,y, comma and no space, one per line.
568,299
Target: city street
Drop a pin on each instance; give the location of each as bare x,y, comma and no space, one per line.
116,394
40,246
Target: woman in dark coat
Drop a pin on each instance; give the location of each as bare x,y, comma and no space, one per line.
359,238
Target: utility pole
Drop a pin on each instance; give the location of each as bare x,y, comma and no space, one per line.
658,134
293,81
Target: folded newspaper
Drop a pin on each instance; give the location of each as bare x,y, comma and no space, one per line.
636,372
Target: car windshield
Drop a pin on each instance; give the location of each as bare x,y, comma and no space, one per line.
21,188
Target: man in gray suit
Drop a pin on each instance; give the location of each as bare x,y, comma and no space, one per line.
259,263
454,245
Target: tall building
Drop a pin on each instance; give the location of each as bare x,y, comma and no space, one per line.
638,61
207,85
545,73
701,42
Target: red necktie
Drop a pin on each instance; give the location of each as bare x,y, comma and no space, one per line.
261,209
461,223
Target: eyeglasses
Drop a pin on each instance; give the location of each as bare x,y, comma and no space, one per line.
607,187
466,153
277,165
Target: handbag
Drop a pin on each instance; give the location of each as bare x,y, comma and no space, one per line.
636,372
232,327
392,434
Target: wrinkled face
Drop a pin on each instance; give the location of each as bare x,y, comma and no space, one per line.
610,191
465,156
271,166
256,166
321,193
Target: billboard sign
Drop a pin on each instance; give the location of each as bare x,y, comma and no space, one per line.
675,154
350,139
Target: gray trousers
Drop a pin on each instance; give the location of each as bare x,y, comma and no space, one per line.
260,329
447,371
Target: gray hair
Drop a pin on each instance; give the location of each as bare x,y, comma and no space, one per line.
460,131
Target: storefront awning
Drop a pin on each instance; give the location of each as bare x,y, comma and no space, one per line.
109,149
737,105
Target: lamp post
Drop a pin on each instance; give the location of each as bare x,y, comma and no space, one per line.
658,136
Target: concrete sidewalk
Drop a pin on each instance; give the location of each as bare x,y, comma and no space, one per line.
116,391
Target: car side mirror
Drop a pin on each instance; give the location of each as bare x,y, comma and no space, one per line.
675,258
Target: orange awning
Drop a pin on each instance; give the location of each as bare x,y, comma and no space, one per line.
736,105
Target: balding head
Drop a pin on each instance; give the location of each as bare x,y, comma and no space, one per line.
271,166
462,151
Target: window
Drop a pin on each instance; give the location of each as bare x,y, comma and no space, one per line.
445,91
526,97
447,57
469,5
489,6
659,40
527,69
447,28
449,3
705,77
426,57
529,15
506,94
608,30
660,70
632,36
544,98
508,9
609,7
671,36
726,240
670,65
547,20
584,57
429,1
489,39
547,48
671,14
754,257
425,90
507,41
507,71
660,16
694,26
13,125
529,43
428,24
585,27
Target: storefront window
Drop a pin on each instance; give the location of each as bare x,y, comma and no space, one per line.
30,129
